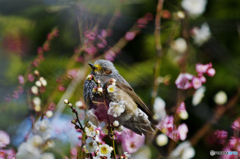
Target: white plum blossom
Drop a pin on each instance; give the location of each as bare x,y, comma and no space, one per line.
36,141
90,129
91,145
116,109
105,150
79,104
92,117
194,7
179,45
198,95
111,88
159,108
201,35
30,149
43,129
27,151
183,151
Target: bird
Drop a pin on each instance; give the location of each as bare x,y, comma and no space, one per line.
116,100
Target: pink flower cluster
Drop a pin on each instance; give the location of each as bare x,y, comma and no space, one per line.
4,141
187,81
233,143
167,126
45,47
91,38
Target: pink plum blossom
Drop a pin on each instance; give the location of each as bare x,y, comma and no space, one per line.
149,16
130,36
91,50
203,79
181,108
30,77
131,141
211,72
182,82
141,22
236,124
221,135
196,82
182,131
200,68
20,79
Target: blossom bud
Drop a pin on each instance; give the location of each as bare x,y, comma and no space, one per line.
76,127
111,148
99,89
36,72
66,101
183,115
162,140
89,77
94,89
74,121
74,110
70,104
79,104
34,90
98,81
37,108
211,72
220,98
180,14
115,123
43,81
97,132
49,113
38,83
112,80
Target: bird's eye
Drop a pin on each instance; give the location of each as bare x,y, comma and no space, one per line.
107,71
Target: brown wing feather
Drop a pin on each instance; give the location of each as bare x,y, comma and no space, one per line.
136,98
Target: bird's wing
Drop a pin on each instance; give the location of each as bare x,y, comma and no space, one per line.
129,90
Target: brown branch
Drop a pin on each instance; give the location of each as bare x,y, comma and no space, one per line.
217,115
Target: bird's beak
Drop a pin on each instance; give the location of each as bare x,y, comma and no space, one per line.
92,66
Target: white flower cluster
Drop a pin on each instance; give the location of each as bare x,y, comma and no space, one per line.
33,147
41,82
92,145
201,35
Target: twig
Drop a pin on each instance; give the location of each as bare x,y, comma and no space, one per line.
158,50
114,152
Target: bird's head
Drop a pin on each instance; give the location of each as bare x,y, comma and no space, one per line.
103,67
